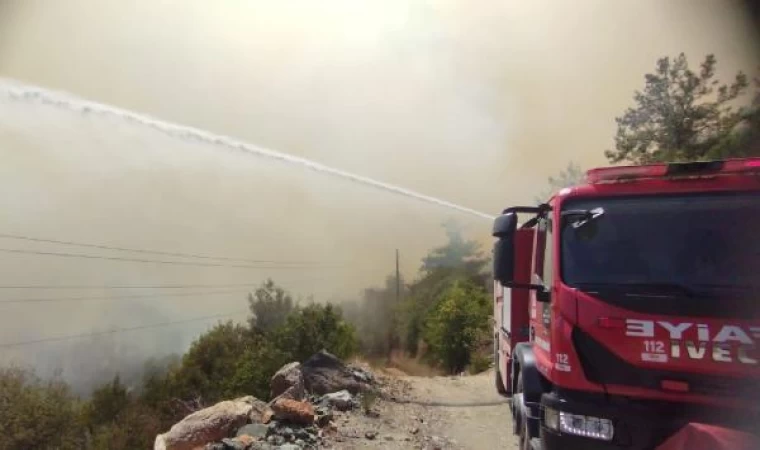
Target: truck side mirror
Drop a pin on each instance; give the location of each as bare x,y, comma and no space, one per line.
504,228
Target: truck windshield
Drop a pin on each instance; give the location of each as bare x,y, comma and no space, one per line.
694,243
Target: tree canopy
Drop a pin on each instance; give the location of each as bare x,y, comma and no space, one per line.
270,306
570,176
457,324
457,253
682,115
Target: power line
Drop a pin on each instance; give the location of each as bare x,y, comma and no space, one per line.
124,286
118,330
118,297
153,261
152,252
142,286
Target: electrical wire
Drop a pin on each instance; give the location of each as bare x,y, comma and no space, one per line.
142,286
118,330
124,286
152,252
155,261
119,297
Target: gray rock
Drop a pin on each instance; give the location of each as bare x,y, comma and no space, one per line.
324,373
341,400
361,375
289,447
371,435
276,440
302,433
215,446
290,380
258,408
256,430
286,432
207,425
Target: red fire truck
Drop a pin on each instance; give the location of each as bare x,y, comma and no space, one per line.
627,309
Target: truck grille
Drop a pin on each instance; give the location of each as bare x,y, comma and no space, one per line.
602,366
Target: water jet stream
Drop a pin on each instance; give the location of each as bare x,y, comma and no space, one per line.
14,90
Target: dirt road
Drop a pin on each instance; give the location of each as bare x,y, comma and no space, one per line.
462,413
481,419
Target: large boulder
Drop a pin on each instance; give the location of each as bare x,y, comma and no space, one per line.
288,381
258,408
324,373
207,425
293,411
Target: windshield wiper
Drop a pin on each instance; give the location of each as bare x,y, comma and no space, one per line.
584,216
642,289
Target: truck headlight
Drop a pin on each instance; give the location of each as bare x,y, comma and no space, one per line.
578,425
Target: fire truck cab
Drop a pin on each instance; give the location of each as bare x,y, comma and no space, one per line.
627,308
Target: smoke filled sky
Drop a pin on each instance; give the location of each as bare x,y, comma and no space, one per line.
475,102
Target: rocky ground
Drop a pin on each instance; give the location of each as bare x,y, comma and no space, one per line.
327,404
432,413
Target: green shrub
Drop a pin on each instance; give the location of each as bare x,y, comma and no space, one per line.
209,364
38,415
314,328
135,427
106,403
225,362
270,305
254,369
480,362
457,325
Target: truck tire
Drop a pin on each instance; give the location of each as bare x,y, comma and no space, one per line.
525,440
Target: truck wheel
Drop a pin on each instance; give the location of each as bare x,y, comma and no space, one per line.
525,440
524,436
516,406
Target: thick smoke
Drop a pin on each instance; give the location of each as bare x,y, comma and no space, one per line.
475,102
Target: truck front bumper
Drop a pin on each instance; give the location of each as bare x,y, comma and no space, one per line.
636,426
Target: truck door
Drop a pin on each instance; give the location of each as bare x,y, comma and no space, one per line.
512,305
542,273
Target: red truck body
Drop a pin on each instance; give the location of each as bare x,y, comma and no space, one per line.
627,307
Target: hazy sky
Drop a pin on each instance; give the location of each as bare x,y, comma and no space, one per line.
475,101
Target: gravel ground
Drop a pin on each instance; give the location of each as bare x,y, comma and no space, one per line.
447,413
